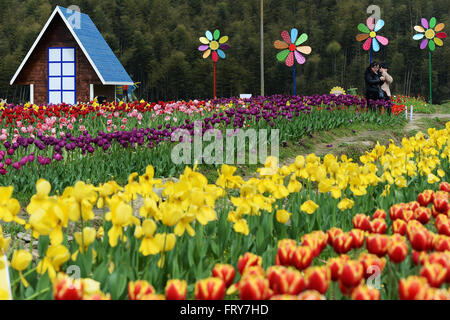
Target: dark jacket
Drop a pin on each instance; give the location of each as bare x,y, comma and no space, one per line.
373,84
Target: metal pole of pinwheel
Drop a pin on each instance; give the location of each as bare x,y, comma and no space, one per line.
431,35
370,36
215,46
292,50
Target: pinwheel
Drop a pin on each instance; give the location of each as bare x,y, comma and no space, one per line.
370,37
214,45
431,35
292,49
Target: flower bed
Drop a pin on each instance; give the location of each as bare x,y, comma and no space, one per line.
319,228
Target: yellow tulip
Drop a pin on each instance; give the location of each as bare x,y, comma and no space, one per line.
86,239
345,204
283,216
241,226
309,207
21,259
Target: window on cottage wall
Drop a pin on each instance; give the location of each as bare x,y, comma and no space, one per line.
61,76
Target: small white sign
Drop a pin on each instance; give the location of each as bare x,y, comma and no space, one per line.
5,284
246,96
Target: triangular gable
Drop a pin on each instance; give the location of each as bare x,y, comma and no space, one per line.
102,59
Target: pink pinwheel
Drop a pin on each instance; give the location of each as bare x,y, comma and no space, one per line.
291,47
430,34
370,37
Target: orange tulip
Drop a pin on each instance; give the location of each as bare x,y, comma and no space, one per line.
247,260
138,289
361,221
364,292
210,289
435,274
318,278
176,289
413,288
284,297
225,272
302,257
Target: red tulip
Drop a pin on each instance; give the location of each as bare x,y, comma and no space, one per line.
286,281
225,272
422,214
358,237
302,257
343,243
254,288
406,215
425,198
443,224
397,251
378,226
364,292
380,214
210,289
335,265
247,260
434,273
176,289
138,289
413,205
413,288
318,278
441,243
440,203
371,264
395,211
444,186
361,221
377,244
311,295
399,226
285,252
65,288
352,273
332,234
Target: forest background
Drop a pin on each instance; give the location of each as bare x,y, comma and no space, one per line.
157,41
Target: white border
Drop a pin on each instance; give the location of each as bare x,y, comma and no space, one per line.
57,10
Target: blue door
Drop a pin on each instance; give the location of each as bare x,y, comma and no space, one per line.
61,76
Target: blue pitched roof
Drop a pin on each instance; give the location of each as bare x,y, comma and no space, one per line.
98,51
